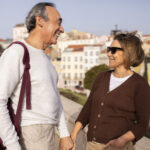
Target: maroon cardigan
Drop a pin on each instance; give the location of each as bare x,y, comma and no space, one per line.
111,114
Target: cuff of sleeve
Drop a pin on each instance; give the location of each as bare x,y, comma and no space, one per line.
137,133
64,133
14,146
82,122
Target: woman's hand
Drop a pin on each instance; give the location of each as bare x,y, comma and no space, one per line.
75,131
117,143
73,137
121,141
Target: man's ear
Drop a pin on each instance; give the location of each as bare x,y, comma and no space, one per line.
39,21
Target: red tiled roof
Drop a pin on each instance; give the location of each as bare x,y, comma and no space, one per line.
81,46
76,46
1,40
19,25
77,50
100,45
147,35
148,42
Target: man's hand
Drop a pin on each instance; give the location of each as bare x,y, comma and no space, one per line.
66,143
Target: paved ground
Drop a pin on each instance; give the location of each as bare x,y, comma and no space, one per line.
143,144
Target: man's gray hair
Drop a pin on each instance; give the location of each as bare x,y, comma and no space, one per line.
37,10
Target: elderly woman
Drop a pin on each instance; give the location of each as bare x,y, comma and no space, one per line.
118,109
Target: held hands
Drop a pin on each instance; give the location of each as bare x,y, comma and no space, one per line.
73,137
66,143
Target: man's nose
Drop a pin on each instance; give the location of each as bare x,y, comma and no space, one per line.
61,29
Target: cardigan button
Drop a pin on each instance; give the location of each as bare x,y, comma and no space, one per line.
102,104
98,115
95,127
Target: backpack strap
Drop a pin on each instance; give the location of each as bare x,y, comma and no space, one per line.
25,87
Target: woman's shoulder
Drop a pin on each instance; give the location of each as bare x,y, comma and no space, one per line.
139,80
103,75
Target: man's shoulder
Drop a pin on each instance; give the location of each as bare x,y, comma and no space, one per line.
17,49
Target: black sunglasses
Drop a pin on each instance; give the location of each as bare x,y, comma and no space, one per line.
114,49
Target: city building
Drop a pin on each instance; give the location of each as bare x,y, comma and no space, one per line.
72,66
76,60
91,56
19,32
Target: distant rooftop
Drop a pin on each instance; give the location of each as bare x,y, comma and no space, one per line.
20,25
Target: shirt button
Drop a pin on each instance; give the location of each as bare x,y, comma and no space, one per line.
98,115
94,127
102,104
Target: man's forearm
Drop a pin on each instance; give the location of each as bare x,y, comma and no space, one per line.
7,129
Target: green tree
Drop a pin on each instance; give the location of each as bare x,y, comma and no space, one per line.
91,74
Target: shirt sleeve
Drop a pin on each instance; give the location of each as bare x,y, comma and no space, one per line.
84,115
142,108
9,77
62,126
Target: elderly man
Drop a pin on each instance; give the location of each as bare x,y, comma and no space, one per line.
37,125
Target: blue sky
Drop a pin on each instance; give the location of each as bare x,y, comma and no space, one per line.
94,16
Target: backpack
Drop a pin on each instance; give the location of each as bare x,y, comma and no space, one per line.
25,88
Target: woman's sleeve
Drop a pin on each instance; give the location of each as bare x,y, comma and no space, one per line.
142,110
84,115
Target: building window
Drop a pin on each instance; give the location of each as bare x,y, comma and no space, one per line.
97,53
69,59
86,61
91,53
81,66
63,58
64,75
75,75
91,61
80,75
75,66
65,82
69,75
81,58
86,53
64,66
68,66
76,58
97,61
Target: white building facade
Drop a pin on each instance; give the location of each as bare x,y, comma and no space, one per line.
19,32
72,66
91,57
